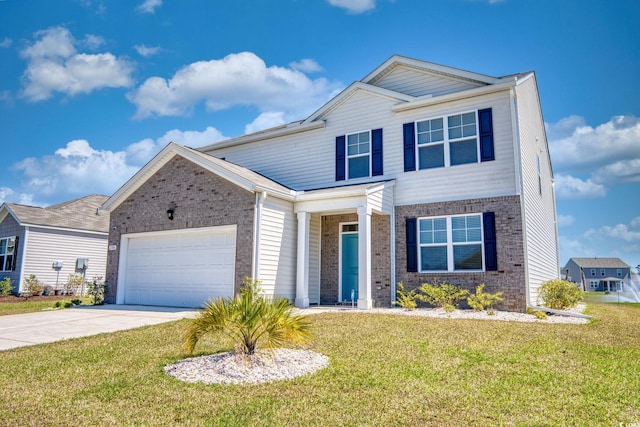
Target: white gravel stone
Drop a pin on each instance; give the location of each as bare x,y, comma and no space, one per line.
233,368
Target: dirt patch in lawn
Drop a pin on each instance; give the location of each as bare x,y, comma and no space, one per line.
17,299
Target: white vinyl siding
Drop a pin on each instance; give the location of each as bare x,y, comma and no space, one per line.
278,237
415,83
44,246
539,209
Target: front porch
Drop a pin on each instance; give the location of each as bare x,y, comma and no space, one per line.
345,251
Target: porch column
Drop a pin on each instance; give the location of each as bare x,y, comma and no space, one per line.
302,278
364,258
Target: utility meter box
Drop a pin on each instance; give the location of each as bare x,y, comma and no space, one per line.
57,265
82,264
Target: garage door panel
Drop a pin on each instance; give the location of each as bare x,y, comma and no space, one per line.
183,269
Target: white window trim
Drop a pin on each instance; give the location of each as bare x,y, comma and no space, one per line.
450,244
447,141
4,260
355,156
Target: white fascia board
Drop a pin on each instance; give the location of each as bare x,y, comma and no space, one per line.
328,205
5,211
441,69
73,230
278,131
350,90
290,195
484,90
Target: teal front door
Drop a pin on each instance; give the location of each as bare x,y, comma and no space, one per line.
349,266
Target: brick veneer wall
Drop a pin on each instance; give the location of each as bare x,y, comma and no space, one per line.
510,277
380,258
200,199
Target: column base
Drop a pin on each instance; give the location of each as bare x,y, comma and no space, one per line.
302,302
365,304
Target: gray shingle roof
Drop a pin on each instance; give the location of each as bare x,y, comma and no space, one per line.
600,263
77,214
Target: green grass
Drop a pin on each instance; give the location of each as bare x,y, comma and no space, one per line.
8,308
385,370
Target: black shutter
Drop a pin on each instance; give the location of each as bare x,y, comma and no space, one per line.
486,135
15,254
412,244
340,158
376,152
490,247
409,147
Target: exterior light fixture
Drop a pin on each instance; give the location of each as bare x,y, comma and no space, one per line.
170,212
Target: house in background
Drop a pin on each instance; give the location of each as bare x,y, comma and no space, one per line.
415,173
70,235
598,274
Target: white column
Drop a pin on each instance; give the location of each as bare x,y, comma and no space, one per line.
302,278
364,258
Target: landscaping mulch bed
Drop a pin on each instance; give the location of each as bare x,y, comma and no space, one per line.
17,299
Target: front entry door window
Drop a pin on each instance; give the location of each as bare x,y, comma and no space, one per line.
349,261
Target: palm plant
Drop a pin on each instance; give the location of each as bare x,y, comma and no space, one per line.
251,320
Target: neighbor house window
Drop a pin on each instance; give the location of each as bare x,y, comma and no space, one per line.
450,243
7,252
593,271
358,154
447,141
619,272
602,272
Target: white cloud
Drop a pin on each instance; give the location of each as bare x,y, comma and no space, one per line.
569,187
635,222
149,6
241,79
54,65
622,232
306,66
79,169
146,51
265,121
565,220
354,6
93,41
6,42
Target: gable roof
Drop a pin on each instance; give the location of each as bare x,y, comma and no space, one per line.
239,175
600,262
78,214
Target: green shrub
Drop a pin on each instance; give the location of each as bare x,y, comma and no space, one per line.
559,294
442,294
63,304
406,299
5,286
96,290
32,284
74,284
539,314
76,301
484,300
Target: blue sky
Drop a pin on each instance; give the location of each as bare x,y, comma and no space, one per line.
91,89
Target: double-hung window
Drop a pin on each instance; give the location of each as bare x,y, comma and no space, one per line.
450,243
359,154
447,141
619,272
7,252
603,272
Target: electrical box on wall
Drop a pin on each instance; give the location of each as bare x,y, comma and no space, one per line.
82,264
57,265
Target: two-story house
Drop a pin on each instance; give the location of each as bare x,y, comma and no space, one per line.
416,172
598,274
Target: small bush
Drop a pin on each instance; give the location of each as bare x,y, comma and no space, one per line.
5,286
74,284
559,294
63,304
32,284
484,300
96,290
442,294
406,299
76,301
539,314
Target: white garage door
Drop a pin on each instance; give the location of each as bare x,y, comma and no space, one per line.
179,268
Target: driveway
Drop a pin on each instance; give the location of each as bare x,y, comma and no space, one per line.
21,330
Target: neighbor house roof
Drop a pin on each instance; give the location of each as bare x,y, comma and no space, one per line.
77,214
600,263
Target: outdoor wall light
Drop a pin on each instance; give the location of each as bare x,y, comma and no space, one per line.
170,212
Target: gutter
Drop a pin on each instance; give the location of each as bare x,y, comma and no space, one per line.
560,312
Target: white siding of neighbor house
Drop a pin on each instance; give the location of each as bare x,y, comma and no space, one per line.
314,259
541,236
416,83
44,246
278,237
307,160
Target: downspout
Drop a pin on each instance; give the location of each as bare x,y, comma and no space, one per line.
559,312
257,220
392,247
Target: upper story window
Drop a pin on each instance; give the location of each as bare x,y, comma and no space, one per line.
593,271
619,272
451,243
7,253
358,154
603,272
449,140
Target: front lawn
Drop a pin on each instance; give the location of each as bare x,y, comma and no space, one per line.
385,370
18,305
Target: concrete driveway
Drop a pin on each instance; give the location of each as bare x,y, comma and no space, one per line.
21,330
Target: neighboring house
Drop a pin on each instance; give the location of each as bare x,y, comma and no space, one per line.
598,274
415,173
70,234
